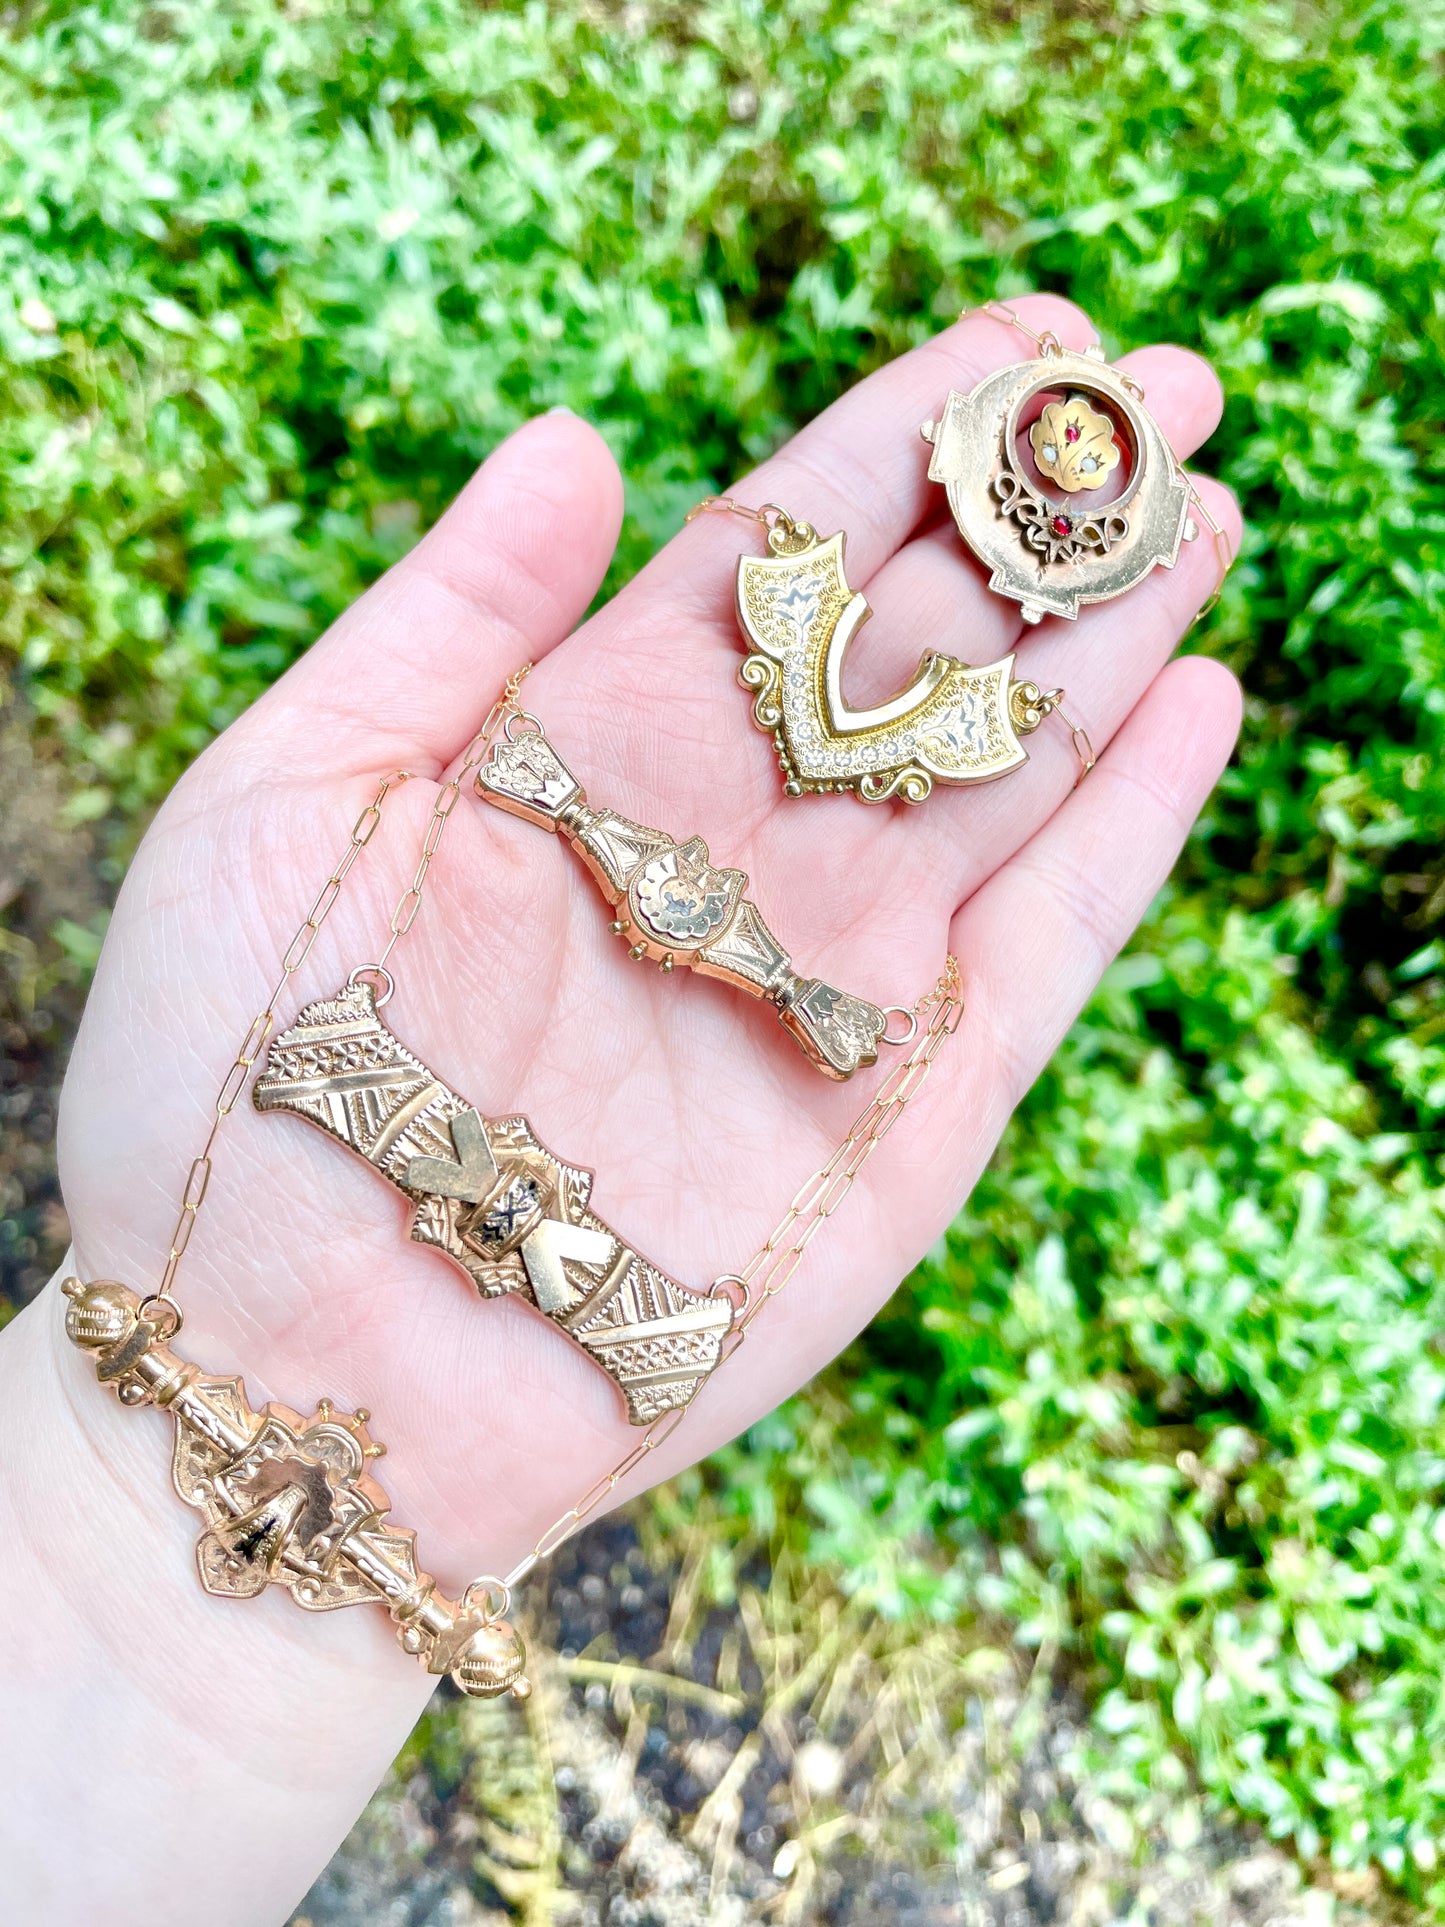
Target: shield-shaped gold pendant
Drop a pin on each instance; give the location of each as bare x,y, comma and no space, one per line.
952,724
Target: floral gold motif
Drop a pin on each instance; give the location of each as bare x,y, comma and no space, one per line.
1052,558
682,898
1074,444
675,906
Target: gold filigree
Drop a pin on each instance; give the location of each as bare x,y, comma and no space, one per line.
1049,559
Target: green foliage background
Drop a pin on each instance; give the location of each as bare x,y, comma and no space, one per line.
273,278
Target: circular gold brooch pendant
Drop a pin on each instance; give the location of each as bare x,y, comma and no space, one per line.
1061,481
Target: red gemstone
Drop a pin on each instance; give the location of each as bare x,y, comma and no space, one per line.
1072,432
1061,525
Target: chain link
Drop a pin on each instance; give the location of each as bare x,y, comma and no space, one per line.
199,1176
1222,548
409,903
778,1257
1051,703
1047,343
785,536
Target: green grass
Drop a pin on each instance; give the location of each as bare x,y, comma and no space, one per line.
275,278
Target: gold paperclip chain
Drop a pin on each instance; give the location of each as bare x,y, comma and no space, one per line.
785,536
297,951
775,1261
780,1254
1048,343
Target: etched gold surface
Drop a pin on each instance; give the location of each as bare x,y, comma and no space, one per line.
288,1501
952,724
491,1196
1050,557
677,906
1074,444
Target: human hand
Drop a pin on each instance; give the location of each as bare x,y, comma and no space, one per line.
698,1118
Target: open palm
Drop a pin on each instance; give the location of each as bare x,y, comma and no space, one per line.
698,1117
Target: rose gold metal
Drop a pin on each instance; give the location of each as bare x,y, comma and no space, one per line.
676,907
285,1498
1097,557
288,1501
1049,558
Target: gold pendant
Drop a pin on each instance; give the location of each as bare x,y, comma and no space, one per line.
952,724
678,907
1053,555
288,1501
493,1198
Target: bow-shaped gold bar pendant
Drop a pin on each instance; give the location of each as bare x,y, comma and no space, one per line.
677,907
495,1200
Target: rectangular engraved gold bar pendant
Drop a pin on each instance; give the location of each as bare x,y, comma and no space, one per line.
677,907
288,1501
491,1196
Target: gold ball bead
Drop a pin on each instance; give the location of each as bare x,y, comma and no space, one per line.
100,1315
494,1662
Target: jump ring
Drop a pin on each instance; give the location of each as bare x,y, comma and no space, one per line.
374,970
155,1298
521,716
727,1285
901,1010
494,1590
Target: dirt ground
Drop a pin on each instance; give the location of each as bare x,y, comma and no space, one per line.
48,883
782,1759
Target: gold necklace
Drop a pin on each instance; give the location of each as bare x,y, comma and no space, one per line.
290,1500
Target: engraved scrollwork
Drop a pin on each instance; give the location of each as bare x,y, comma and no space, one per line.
684,899
1053,556
912,784
1056,533
677,907
764,676
950,725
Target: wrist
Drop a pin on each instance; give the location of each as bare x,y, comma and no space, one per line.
191,1716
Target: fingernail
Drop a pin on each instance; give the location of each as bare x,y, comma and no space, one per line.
561,408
